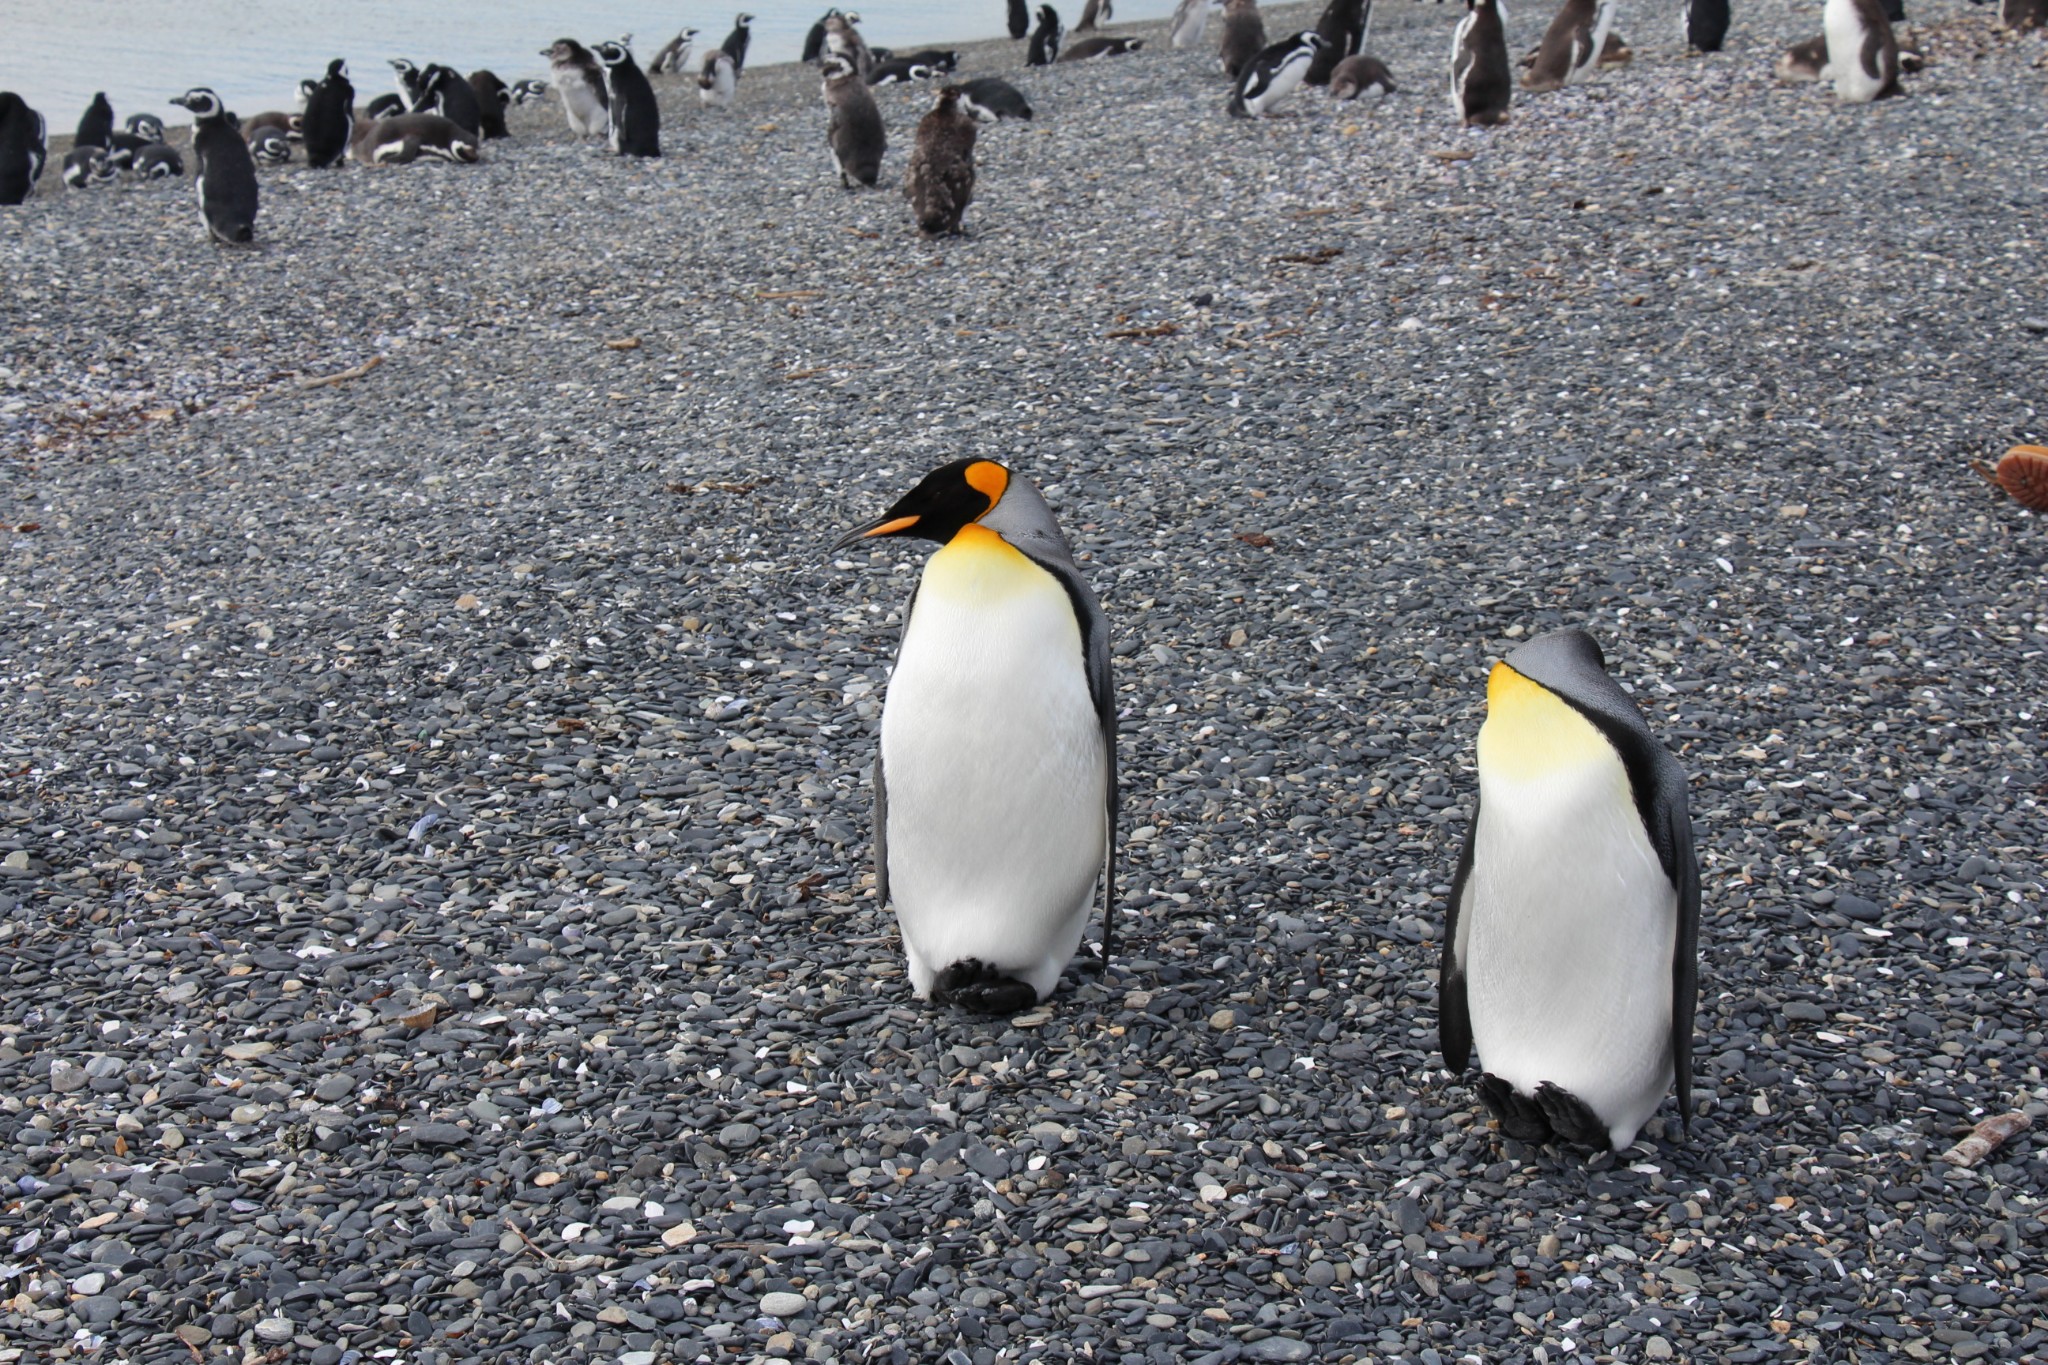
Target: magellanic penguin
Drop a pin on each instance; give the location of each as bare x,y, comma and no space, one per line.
409,78
842,39
718,82
636,118
940,181
1863,57
447,92
88,166
1045,39
674,57
1343,27
405,138
735,44
1706,24
1571,46
158,162
1090,48
226,172
814,40
492,100
1356,75
1092,13
1020,19
853,124
96,125
1274,74
530,91
991,98
1481,87
897,71
580,80
329,121
996,787
268,144
1244,36
24,147
939,59
383,106
142,130
1190,22
1571,956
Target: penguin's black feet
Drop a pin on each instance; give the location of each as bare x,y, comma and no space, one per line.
1571,1120
973,985
1521,1118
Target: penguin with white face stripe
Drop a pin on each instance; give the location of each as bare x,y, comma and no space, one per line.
995,789
1571,956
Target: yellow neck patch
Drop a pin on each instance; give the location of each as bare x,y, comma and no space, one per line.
980,564
1531,732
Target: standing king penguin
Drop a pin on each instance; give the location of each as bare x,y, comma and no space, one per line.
227,173
995,789
1571,955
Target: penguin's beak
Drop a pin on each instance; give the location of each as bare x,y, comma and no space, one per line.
884,525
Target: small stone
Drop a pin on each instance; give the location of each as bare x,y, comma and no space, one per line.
636,1358
171,1138
1656,1348
782,1344
737,1137
1278,1348
100,1309
338,1086
192,1334
247,1052
1223,1019
89,1283
67,1076
275,1330
248,1113
782,1304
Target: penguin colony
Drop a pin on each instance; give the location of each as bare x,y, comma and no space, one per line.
995,784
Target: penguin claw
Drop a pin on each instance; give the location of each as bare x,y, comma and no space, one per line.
972,984
1520,1118
1571,1120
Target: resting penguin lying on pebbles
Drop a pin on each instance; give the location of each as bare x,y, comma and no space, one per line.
1570,959
405,138
995,789
991,98
158,162
268,144
1356,75
88,166
143,130
1089,48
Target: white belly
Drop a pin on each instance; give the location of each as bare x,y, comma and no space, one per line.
1567,938
996,772
1844,30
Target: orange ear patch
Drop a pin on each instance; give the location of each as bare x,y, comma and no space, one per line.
987,478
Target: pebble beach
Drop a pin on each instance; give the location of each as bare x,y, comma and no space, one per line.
436,916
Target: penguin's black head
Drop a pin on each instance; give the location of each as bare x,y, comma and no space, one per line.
611,54
948,498
742,20
337,69
203,103
148,127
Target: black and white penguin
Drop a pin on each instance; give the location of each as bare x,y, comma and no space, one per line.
492,100
1356,75
636,117
844,40
95,126
408,78
385,105
329,120
1090,48
87,167
1803,62
939,59
674,57
814,40
1045,39
1571,46
405,138
1706,24
719,82
897,71
580,80
158,162
23,148
1244,36
1571,957
148,127
991,98
853,124
940,182
735,44
225,170
448,93
1343,27
1274,74
529,91
1863,56
1190,21
268,144
1092,13
1020,19
1481,86
996,785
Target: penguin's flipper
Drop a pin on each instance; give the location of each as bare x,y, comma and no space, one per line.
882,829
1453,1017
1685,954
973,985
1570,1119
1520,1118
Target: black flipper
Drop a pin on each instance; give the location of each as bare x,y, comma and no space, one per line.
1520,1118
1571,1120
1453,1017
881,833
972,984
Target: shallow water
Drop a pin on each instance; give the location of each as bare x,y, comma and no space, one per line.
141,52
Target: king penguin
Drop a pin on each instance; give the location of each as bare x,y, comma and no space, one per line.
226,172
1571,956
995,790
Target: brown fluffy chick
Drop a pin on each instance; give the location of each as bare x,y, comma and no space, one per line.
941,178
